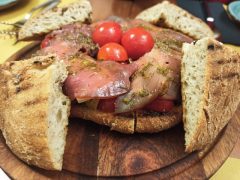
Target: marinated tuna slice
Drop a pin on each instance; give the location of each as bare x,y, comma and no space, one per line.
69,40
89,79
156,72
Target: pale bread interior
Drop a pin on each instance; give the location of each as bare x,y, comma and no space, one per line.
193,74
58,112
210,90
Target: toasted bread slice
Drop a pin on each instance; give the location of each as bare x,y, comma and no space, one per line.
33,110
152,122
210,78
141,122
121,123
79,11
174,17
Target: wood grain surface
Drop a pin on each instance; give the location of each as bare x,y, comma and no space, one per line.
94,152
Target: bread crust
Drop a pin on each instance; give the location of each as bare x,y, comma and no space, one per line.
221,95
141,122
121,123
152,122
174,17
24,95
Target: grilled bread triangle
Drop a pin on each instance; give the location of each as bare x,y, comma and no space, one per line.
210,76
43,23
33,110
172,16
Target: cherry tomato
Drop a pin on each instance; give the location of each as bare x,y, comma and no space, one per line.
107,105
160,105
112,51
107,32
45,42
137,42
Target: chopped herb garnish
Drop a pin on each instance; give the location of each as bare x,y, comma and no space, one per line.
80,39
163,70
145,27
142,72
129,100
126,100
143,93
168,44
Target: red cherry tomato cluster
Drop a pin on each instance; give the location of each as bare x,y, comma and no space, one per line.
118,46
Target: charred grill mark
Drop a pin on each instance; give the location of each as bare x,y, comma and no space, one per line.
211,47
135,120
222,61
45,63
17,78
35,101
161,22
152,114
11,63
206,115
234,60
17,90
26,86
42,114
227,101
63,11
230,75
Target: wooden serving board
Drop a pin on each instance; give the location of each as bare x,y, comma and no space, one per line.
94,152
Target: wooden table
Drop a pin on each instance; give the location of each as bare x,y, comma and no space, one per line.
123,8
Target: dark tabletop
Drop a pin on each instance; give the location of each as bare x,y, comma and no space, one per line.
229,30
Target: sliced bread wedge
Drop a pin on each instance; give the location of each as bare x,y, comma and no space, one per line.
210,77
79,11
172,16
33,110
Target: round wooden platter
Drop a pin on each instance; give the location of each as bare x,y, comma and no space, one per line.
93,151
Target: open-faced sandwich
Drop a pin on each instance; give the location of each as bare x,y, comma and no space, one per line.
130,75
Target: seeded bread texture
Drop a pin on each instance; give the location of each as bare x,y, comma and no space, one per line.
210,76
33,110
79,11
174,17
